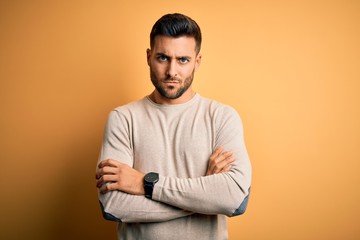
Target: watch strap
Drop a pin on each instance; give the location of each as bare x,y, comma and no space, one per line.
149,182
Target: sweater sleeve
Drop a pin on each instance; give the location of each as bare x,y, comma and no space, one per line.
120,206
224,193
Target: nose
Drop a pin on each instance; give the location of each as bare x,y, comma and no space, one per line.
172,69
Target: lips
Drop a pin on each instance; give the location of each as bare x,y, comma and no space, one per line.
170,82
171,79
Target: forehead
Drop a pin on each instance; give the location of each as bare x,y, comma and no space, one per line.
180,46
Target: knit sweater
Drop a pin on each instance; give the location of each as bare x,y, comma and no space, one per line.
176,141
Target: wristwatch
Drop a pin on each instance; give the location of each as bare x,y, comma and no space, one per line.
149,182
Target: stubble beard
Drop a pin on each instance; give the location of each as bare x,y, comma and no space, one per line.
168,92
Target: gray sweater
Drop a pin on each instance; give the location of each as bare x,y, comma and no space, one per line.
176,141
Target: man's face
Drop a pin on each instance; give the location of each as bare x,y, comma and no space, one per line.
172,63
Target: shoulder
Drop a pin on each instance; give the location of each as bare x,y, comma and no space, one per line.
129,108
226,120
124,113
218,109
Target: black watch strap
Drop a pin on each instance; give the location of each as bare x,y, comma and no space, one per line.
149,182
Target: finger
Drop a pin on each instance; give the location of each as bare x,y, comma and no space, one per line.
107,188
222,161
108,162
228,158
105,179
105,171
219,149
226,168
217,152
214,159
224,156
218,168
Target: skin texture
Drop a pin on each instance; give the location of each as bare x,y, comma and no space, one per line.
172,62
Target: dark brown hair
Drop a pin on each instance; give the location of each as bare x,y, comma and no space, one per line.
176,25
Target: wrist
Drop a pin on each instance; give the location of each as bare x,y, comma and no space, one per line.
141,187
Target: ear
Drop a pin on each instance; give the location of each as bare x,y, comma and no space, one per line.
198,61
148,55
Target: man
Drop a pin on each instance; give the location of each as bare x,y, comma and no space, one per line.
173,164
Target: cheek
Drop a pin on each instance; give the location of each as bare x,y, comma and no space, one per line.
186,72
157,69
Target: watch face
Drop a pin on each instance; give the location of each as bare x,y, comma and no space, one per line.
151,177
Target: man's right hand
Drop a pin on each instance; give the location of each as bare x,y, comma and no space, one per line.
220,161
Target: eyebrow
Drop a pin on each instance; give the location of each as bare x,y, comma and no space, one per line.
164,55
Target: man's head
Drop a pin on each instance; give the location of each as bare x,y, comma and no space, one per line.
176,25
174,56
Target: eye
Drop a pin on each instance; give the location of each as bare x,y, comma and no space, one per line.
162,58
183,60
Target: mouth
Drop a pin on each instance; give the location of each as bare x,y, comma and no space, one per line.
170,83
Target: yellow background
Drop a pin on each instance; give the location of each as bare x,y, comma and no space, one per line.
291,69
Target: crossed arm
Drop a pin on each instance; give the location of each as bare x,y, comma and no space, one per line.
224,187
113,175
